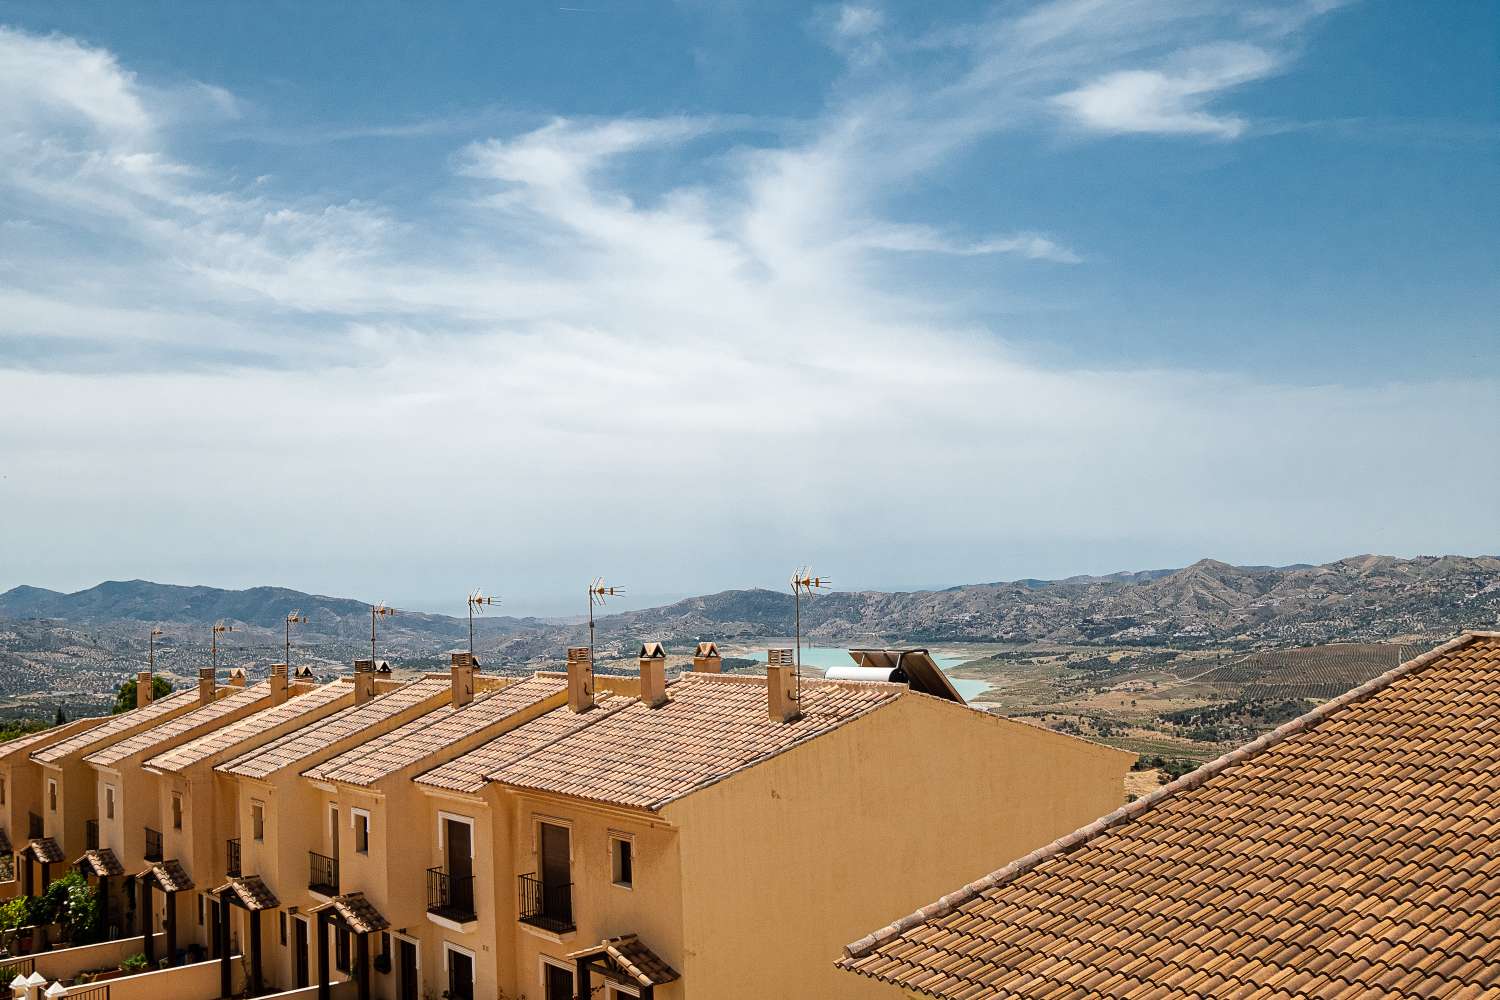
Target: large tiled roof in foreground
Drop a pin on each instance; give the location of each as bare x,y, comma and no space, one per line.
298,746
712,726
1353,852
244,699
466,773
227,737
117,725
431,733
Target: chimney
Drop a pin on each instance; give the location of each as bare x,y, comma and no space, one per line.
207,683
364,681
143,692
462,667
279,683
580,679
707,660
781,686
237,677
653,674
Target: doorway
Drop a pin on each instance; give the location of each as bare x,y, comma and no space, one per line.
299,952
460,974
458,838
557,872
407,956
557,982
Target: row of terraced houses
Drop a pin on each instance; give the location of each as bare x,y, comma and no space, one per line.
715,836
561,835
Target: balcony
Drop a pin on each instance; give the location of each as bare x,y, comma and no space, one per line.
232,857
153,844
91,835
549,907
322,874
449,897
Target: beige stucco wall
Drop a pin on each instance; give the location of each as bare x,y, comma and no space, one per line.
784,864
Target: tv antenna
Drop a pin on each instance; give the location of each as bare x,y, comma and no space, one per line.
803,581
377,612
219,627
477,601
295,618
598,593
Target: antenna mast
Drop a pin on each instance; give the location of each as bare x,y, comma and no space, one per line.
477,600
377,611
295,618
151,654
218,628
803,581
598,592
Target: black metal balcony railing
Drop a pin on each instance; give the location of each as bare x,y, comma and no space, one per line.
232,857
153,844
450,897
322,874
549,907
91,835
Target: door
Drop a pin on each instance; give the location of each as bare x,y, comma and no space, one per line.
557,877
213,927
559,984
461,976
408,955
458,839
299,951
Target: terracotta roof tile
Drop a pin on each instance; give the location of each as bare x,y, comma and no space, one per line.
712,726
117,726
467,773
182,726
633,959
356,912
101,862
252,892
44,849
31,740
299,746
225,738
1353,852
170,876
440,729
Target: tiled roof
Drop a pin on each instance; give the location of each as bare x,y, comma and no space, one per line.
23,743
117,725
439,729
466,773
252,892
1353,852
101,862
632,959
227,737
182,725
298,746
711,727
170,876
44,849
356,912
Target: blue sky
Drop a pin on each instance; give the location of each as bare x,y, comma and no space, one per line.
397,301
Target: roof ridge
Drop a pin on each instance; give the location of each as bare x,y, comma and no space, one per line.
1009,873
605,712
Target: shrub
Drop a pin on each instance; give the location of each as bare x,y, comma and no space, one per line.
133,963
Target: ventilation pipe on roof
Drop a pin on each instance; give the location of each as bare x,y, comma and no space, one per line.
364,681
707,660
580,679
781,686
279,683
461,667
143,692
653,659
207,685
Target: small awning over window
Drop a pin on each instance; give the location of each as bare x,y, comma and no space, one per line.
251,892
626,960
168,876
355,912
44,850
101,862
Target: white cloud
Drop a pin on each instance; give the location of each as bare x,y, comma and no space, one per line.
571,367
1172,100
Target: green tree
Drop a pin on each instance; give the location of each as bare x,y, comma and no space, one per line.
125,697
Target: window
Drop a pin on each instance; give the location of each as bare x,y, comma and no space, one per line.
176,811
622,861
51,795
109,801
200,909
257,821
282,915
361,822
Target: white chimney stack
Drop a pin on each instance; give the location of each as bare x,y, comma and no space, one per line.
143,692
207,685
280,683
